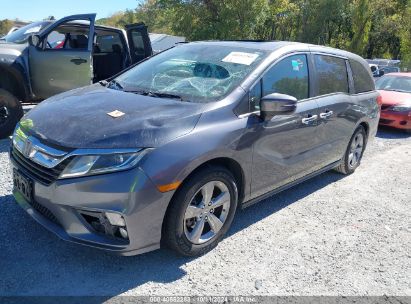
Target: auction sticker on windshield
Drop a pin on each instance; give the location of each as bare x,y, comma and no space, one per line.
240,58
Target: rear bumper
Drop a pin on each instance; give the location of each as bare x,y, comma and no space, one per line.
400,120
58,208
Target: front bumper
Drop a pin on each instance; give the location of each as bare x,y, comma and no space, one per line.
400,120
131,193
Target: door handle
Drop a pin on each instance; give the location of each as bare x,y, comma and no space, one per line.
309,120
326,114
78,61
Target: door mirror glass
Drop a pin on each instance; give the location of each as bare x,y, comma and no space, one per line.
34,40
277,104
381,73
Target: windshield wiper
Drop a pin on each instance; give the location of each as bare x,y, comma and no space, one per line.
156,94
165,95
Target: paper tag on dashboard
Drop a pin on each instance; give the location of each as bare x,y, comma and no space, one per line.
116,114
240,58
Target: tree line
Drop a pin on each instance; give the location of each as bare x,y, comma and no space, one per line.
370,28
5,26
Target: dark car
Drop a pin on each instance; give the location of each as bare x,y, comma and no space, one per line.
49,57
168,150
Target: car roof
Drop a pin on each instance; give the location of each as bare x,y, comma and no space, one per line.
252,44
276,45
86,23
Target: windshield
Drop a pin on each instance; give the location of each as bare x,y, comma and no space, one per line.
192,72
394,83
22,34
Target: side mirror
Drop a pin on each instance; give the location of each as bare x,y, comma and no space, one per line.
277,104
381,73
34,40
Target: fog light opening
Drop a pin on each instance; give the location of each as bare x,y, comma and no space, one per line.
115,219
109,223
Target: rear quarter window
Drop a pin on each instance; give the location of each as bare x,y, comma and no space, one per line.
363,82
332,74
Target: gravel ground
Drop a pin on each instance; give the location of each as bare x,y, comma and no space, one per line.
332,235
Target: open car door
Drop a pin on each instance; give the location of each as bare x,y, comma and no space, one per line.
139,42
61,59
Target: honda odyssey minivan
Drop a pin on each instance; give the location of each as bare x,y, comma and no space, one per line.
165,152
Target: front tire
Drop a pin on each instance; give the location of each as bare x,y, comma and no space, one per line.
201,212
353,154
11,111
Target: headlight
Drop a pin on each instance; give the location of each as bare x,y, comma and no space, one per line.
84,165
401,108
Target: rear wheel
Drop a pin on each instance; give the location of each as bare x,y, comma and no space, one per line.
353,154
201,212
11,111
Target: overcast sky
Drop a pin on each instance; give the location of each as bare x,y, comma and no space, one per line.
33,10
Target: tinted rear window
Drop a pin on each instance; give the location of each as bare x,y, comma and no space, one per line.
332,74
105,43
362,79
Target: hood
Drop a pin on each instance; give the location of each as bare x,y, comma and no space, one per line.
393,98
9,52
79,119
4,45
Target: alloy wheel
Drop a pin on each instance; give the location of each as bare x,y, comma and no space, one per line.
356,149
207,212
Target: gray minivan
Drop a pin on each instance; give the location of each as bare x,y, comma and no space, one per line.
166,152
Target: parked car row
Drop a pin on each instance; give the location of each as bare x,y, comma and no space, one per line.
49,57
379,67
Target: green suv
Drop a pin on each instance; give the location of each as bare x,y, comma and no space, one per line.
49,57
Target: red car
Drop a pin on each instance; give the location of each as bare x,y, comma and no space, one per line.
395,90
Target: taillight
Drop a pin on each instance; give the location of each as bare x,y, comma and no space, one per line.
379,100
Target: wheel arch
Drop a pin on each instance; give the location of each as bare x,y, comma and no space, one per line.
366,127
231,165
228,163
13,80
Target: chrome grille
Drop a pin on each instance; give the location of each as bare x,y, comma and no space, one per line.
37,172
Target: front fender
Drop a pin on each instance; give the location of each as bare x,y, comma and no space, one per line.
176,160
13,64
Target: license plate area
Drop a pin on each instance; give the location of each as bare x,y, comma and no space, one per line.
23,185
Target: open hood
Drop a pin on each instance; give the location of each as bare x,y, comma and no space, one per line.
80,119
